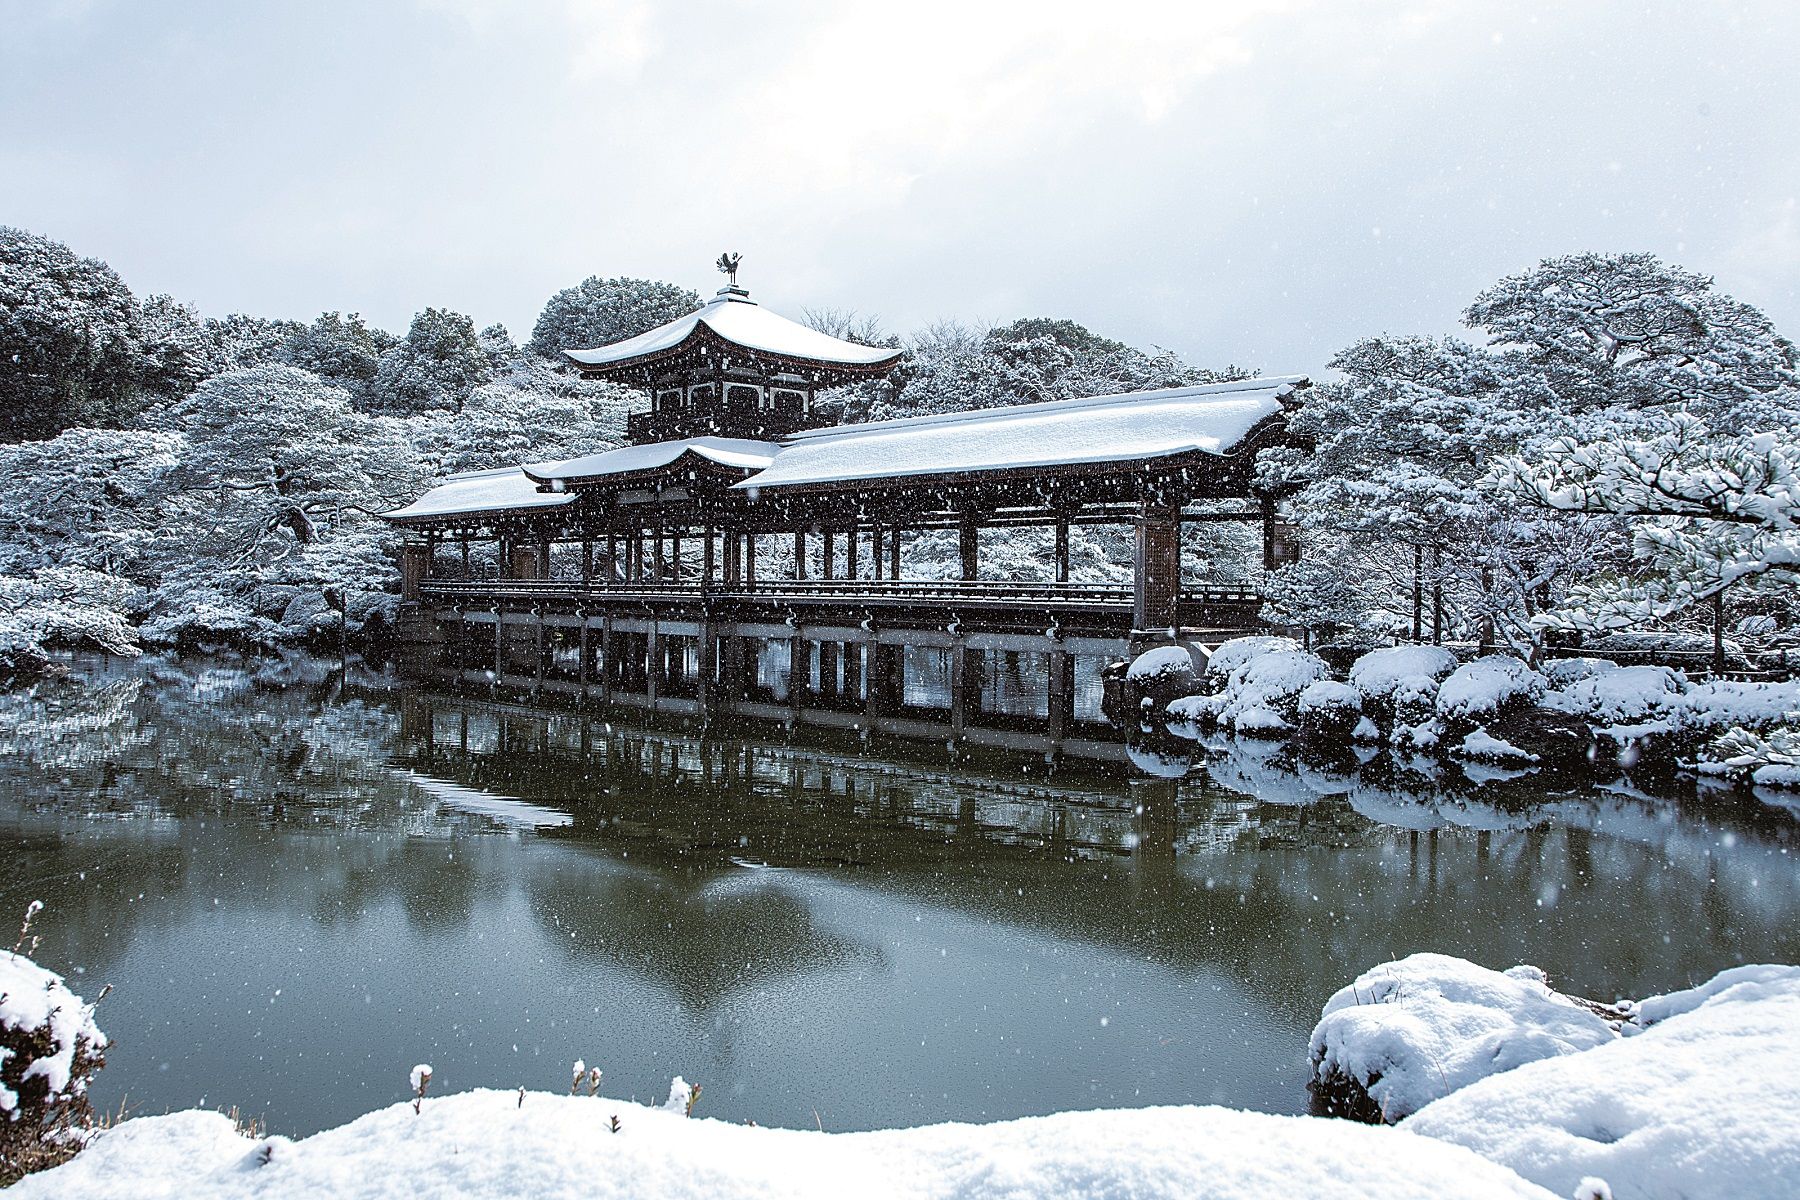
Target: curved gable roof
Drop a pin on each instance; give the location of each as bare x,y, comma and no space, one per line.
739,320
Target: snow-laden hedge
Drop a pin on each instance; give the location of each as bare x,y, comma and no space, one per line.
1498,709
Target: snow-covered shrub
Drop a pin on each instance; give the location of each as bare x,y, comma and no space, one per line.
1399,685
1232,655
1402,674
1261,693
1329,709
1607,695
1486,688
1747,756
1407,1032
50,1049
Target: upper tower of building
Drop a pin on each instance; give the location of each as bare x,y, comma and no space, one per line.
731,368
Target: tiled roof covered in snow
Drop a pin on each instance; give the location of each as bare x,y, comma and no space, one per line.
1209,419
500,490
730,452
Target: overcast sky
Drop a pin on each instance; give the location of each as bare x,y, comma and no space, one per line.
1253,181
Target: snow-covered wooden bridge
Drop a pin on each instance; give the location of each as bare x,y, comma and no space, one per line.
752,562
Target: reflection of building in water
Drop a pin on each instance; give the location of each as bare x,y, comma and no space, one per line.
739,558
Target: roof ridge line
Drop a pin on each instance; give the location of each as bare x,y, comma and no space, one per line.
1224,387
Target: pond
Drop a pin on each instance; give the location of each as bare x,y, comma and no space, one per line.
299,884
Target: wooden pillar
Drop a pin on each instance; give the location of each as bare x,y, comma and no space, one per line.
894,553
750,561
1271,559
675,557
851,537
706,556
1157,564
543,559
499,645
660,563
970,541
876,684
828,669
608,658
587,562
827,562
799,554
415,565
707,657
875,543
581,656
1062,547
465,556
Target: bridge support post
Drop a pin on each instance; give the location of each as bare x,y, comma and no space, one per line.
828,670
707,659
609,660
1061,706
798,662
653,663
965,685
875,699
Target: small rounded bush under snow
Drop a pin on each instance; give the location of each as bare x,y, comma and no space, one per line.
1259,694
50,1048
1488,686
1402,674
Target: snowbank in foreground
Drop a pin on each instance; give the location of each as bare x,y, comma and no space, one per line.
1408,1032
485,1145
1701,1103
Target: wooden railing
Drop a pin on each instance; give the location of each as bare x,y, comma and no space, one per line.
849,592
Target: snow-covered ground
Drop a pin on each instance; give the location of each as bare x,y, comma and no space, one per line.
489,1145
1704,1101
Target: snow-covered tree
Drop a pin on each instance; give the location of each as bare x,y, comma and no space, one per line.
1715,511
178,351
1628,331
436,366
338,348
599,311
69,339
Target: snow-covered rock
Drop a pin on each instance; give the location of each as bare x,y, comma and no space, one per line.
1162,674
1408,1032
490,1145
1702,1102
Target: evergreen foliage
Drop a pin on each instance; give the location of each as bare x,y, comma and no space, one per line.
597,312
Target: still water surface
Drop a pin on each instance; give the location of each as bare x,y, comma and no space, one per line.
299,886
